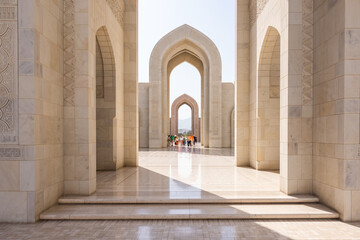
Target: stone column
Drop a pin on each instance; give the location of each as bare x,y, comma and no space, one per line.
296,97
242,84
79,101
131,135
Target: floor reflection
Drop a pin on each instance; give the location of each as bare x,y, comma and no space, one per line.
195,150
176,173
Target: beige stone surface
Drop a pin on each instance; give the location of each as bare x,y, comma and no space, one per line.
106,158
65,111
184,229
227,108
336,107
143,115
32,173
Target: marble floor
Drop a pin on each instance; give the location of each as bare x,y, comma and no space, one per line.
187,173
182,229
183,175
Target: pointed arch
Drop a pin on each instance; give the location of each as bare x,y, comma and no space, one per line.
105,102
195,121
185,44
268,103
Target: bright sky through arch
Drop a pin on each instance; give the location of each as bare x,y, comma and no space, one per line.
214,18
185,79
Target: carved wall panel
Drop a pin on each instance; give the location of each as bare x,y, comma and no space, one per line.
8,73
256,8
117,8
307,74
69,52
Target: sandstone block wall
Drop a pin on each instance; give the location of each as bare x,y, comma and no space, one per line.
144,115
31,159
336,158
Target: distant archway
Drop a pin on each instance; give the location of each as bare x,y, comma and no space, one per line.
185,44
195,120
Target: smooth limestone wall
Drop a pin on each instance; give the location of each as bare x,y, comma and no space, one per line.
228,104
48,105
105,102
336,106
260,52
80,90
293,21
31,178
143,115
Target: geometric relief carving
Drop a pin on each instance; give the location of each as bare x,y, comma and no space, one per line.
256,8
8,13
8,82
117,9
307,45
13,153
69,52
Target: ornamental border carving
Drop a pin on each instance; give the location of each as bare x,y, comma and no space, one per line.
8,72
118,10
69,52
256,8
307,48
11,153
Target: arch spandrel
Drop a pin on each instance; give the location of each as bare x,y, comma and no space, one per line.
185,57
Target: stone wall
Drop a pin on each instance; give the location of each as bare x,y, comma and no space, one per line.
266,22
48,98
31,174
143,115
105,102
228,104
294,23
336,158
83,20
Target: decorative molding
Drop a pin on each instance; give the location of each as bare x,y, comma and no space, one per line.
118,9
8,74
8,2
8,13
256,8
307,48
69,52
11,153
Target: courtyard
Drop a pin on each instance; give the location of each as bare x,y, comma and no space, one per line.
181,119
181,176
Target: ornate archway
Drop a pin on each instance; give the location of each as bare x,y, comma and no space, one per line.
195,120
185,44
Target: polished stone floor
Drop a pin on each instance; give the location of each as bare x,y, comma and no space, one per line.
181,175
184,175
185,229
193,173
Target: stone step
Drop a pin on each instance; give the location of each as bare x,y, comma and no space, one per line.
188,211
186,197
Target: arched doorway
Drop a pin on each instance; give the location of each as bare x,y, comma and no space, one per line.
185,44
195,120
268,100
105,101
